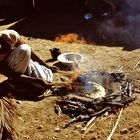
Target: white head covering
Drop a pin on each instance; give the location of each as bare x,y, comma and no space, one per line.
10,36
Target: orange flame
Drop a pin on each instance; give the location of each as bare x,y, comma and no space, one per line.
70,38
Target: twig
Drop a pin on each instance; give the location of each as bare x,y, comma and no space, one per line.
89,122
58,109
65,84
117,70
130,89
136,65
114,128
85,129
137,90
76,119
89,128
120,69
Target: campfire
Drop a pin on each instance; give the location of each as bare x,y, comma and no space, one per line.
70,38
92,94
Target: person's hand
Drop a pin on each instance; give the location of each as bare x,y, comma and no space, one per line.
54,68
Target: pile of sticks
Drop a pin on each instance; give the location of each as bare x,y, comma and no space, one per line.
82,108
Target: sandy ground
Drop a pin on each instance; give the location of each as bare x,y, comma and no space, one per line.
37,120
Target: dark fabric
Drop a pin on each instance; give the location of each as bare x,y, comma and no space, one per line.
21,89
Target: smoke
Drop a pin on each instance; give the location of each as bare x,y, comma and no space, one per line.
124,27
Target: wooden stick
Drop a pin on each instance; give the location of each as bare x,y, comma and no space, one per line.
136,65
65,84
89,122
114,128
117,70
120,69
137,90
89,128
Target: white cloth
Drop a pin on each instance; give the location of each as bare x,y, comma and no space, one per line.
34,69
10,36
20,61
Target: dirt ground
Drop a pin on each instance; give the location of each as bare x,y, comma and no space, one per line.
37,120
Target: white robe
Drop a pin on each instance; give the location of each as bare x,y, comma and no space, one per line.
20,58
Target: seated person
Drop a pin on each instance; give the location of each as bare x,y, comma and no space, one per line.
19,57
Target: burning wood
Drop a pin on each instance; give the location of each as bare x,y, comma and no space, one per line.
95,93
70,38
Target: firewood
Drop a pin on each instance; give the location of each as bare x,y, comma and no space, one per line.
80,98
83,108
76,119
